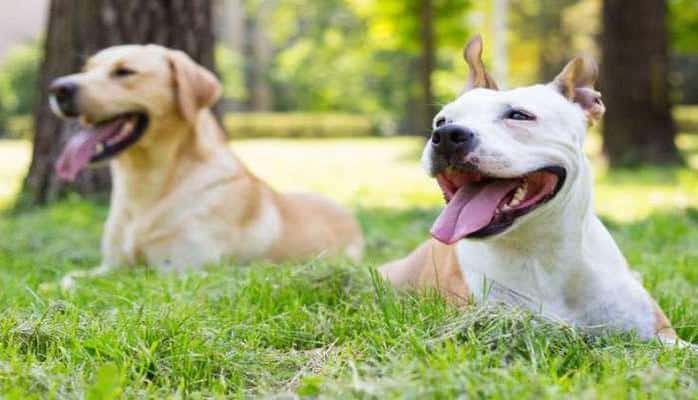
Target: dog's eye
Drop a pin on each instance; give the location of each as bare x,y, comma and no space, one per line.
123,72
441,121
519,115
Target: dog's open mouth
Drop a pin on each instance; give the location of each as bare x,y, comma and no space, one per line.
100,142
479,206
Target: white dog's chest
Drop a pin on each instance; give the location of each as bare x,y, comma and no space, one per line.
585,301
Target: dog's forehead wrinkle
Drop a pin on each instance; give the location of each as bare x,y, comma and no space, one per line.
132,55
539,99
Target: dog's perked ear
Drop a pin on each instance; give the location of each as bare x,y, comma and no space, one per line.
479,78
196,87
576,83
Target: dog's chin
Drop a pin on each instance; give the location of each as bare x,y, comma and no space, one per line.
480,206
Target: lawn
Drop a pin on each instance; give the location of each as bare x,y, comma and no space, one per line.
329,328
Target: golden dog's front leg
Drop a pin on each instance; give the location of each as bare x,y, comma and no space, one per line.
69,281
432,265
113,253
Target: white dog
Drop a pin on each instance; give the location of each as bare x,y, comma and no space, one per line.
519,225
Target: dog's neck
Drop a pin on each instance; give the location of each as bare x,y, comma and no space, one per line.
150,170
551,258
555,228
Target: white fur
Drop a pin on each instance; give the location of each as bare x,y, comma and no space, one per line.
55,108
560,255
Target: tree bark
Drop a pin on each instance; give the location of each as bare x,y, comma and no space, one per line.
259,55
638,126
80,28
426,65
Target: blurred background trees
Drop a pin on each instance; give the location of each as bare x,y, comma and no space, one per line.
638,125
366,67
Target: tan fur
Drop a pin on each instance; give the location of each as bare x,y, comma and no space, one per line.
479,77
662,324
576,82
432,265
181,199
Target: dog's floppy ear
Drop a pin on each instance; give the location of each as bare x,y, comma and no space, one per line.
479,78
576,83
196,87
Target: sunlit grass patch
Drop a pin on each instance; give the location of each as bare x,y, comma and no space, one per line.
370,172
14,161
629,195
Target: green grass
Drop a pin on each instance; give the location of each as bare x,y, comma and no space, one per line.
298,125
329,328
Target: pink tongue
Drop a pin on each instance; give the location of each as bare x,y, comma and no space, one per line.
76,155
81,147
471,209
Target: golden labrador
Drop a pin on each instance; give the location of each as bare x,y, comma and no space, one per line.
180,197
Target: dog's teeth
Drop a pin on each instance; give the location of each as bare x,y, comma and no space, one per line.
519,195
128,127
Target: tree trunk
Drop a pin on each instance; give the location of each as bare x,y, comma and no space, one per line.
426,65
260,53
78,29
638,126
555,42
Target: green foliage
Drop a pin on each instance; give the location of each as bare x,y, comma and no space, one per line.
395,24
294,125
340,56
324,64
687,118
230,65
19,89
394,29
683,17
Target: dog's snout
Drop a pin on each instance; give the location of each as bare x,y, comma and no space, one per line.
453,138
64,93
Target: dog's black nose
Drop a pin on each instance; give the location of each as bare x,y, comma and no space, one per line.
450,139
64,93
